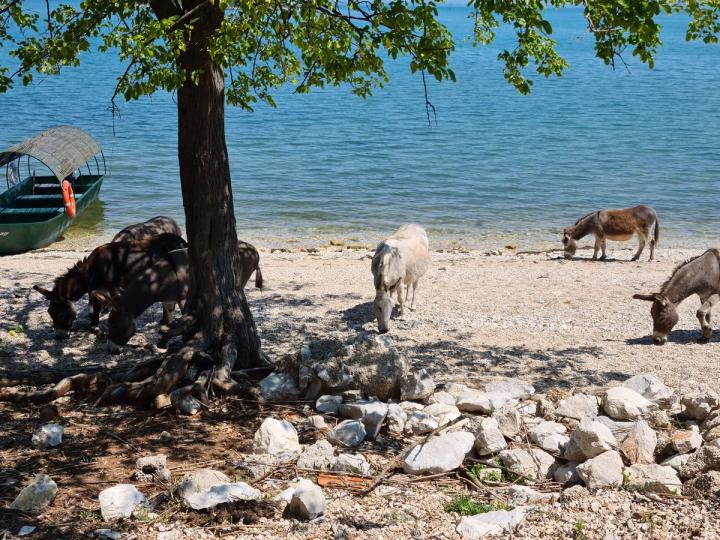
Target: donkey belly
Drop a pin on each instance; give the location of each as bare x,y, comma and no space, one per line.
619,237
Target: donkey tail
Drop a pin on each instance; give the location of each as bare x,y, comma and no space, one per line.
657,231
258,278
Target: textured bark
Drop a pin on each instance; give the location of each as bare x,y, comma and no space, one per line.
226,324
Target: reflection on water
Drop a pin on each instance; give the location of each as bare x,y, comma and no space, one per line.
88,226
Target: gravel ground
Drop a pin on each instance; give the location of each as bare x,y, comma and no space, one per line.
534,317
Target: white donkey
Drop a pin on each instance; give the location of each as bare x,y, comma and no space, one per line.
402,258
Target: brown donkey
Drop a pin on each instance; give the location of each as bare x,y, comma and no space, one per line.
700,276
106,267
617,225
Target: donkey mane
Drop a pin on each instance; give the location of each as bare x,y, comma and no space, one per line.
585,217
77,270
677,269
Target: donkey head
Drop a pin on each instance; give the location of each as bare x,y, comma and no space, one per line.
61,310
569,244
121,324
664,314
382,308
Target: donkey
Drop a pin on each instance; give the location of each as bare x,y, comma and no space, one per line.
701,276
146,229
105,267
617,225
166,281
401,259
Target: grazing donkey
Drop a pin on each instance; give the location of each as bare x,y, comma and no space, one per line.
166,281
617,225
700,276
146,229
401,259
105,267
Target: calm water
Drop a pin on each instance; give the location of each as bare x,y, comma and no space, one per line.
498,167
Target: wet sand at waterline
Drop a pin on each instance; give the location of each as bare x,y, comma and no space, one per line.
535,317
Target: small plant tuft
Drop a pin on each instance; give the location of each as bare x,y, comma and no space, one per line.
467,506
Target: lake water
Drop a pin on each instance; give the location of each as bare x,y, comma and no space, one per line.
498,167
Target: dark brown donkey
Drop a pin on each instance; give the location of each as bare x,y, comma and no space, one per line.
104,268
147,229
700,276
167,282
617,225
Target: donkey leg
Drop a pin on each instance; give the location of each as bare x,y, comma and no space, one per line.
652,246
400,298
642,237
414,286
598,245
96,308
168,308
604,249
703,315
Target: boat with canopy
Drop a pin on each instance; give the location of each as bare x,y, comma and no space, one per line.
64,168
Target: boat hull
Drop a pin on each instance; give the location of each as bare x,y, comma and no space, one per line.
21,236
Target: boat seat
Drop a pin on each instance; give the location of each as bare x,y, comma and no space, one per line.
8,211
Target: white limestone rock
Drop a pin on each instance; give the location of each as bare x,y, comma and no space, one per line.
200,480
488,437
638,446
685,441
550,436
535,464
440,454
420,423
278,387
222,493
396,418
34,497
677,461
442,412
442,397
276,437
318,456
567,474
622,403
516,390
591,438
498,522
578,406
328,404
120,501
602,471
698,404
351,463
47,436
416,385
348,433
509,421
371,413
307,502
652,389
476,401
653,477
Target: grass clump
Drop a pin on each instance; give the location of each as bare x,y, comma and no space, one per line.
467,506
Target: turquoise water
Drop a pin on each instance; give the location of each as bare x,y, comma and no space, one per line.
497,167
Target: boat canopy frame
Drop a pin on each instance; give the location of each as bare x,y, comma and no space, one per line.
62,149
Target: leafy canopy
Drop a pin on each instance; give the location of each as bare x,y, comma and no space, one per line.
264,44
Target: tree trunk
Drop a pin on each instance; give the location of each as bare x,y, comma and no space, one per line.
225,323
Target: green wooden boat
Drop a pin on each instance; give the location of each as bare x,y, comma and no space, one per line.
32,213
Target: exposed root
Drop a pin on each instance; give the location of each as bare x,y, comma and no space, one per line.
38,377
82,384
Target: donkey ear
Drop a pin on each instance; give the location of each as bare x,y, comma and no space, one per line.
646,297
661,299
44,292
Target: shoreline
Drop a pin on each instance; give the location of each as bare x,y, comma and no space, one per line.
83,240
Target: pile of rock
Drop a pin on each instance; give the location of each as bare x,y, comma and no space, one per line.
638,435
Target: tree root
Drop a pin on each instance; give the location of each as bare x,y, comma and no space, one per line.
82,384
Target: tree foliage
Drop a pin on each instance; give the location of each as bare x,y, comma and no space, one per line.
265,44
